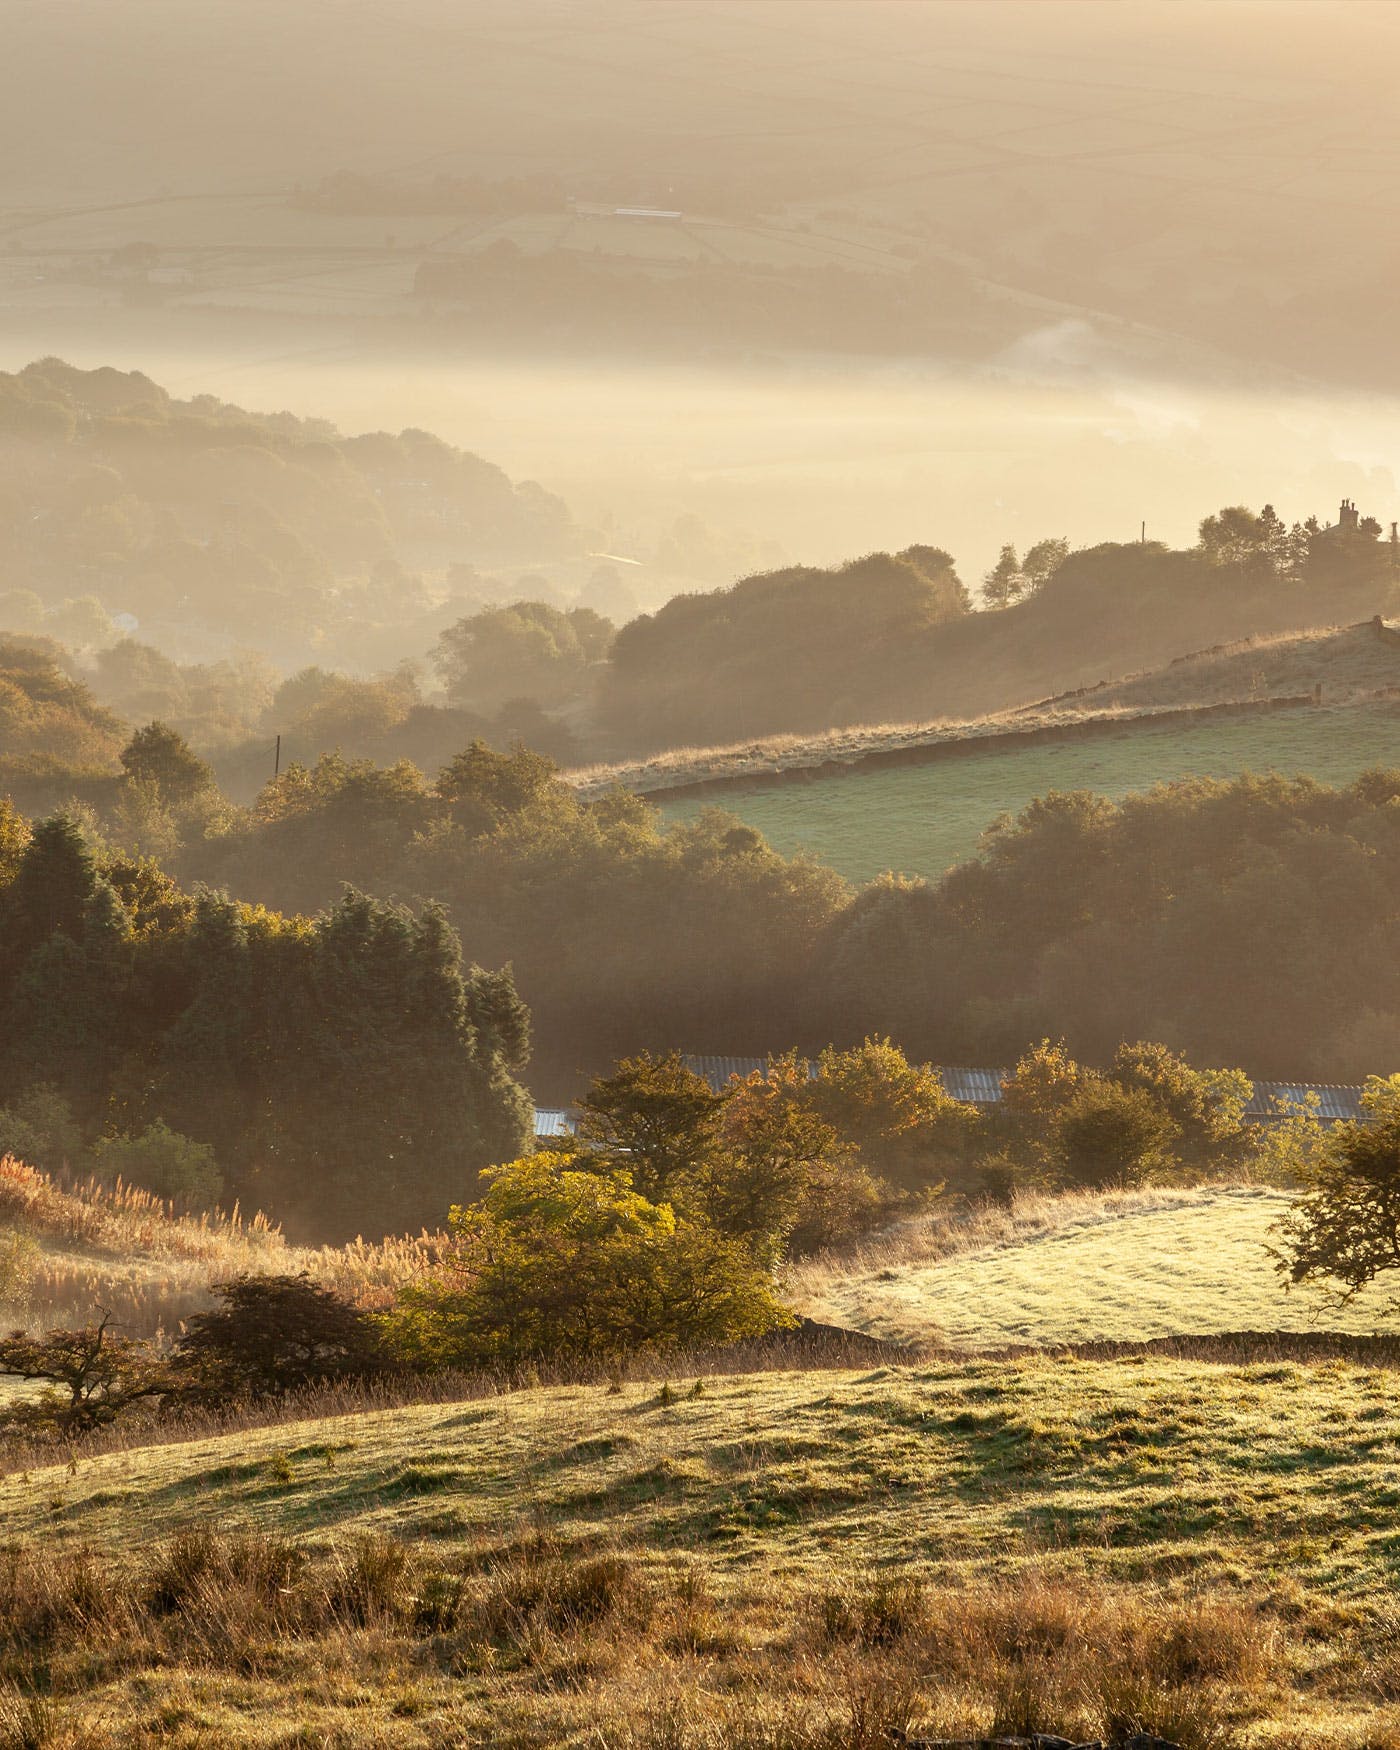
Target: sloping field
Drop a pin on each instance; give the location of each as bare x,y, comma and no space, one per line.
945,1533
920,819
1345,661
793,1471
1123,1267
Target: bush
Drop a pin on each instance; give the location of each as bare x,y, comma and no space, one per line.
562,1263
274,1334
161,1160
39,1129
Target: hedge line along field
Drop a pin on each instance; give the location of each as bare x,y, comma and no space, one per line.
921,819
796,1561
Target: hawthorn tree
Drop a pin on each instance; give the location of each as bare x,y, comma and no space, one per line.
90,1377
1345,1229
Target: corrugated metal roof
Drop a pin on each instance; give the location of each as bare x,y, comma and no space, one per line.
1336,1102
553,1121
977,1087
718,1071
981,1087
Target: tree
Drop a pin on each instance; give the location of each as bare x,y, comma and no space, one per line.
529,649
56,878
1346,1227
91,1376
1005,583
1236,537
560,1264
1042,561
659,1118
1206,1107
488,787
1109,1135
160,756
274,1334
389,1080
897,1115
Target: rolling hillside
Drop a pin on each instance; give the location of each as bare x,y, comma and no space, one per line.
1123,1267
920,819
786,1562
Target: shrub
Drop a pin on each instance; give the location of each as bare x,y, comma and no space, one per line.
161,1160
558,1262
274,1334
39,1129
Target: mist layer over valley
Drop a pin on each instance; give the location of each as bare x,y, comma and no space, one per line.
699,874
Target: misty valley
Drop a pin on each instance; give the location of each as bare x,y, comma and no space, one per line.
699,875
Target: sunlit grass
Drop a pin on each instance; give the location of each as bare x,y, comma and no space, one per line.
1078,1268
754,1526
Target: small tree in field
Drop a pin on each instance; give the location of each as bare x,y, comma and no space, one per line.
1346,1227
558,1263
90,1377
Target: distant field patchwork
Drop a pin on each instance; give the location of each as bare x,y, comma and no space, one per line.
922,819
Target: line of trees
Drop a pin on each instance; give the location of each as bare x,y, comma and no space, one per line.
344,1069
663,1224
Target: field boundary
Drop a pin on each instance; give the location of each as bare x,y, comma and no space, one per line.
963,746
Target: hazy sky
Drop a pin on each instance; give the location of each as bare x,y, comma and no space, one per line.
1178,215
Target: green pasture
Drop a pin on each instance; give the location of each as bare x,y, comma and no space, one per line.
920,820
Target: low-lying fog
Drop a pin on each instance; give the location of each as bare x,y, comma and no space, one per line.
815,462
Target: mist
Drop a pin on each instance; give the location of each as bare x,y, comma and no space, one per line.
1155,240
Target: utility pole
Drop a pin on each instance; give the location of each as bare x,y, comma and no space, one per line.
1142,538
277,759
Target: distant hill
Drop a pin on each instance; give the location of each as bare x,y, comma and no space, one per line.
213,528
743,663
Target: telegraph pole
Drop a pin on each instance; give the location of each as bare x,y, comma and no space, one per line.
277,759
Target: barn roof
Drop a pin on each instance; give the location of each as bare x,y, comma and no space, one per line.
1334,1101
551,1121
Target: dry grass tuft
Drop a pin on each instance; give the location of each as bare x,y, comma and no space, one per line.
90,1247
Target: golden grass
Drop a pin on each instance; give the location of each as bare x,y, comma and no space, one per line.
1079,1267
784,1562
95,1248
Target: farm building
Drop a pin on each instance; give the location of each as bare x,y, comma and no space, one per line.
1333,1102
982,1087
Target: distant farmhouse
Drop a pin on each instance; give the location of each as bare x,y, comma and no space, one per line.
1271,1102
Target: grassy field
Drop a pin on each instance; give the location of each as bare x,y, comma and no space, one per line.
1126,1266
922,819
779,1562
